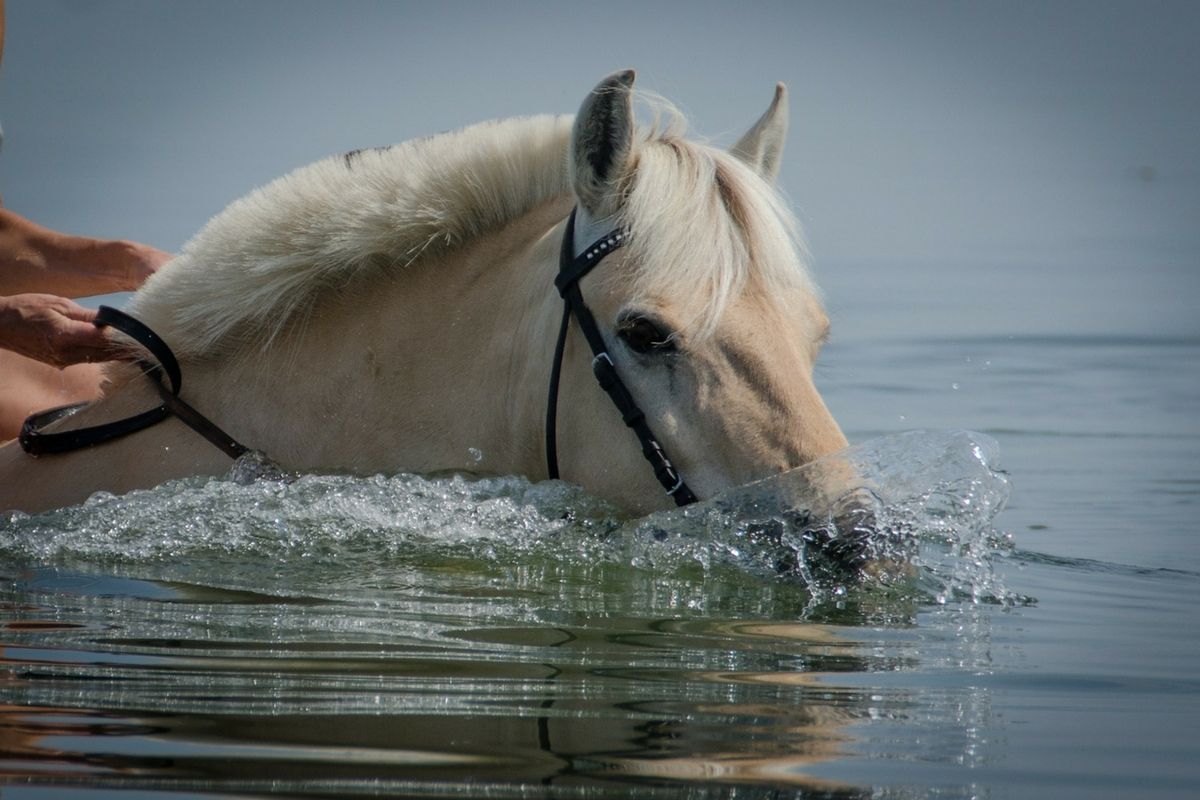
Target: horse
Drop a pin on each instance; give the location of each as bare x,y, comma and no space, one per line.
394,310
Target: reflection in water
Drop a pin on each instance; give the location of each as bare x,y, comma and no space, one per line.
515,658
242,695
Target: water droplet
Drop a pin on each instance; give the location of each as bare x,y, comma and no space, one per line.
954,386
476,454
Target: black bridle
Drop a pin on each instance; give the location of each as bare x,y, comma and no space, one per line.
36,441
571,268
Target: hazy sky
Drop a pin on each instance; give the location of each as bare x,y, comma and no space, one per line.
1041,159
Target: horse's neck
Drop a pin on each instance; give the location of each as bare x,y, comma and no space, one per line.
159,453
441,366
445,367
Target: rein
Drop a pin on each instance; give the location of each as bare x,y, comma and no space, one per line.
571,269
35,441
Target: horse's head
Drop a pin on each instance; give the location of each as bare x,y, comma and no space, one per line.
708,310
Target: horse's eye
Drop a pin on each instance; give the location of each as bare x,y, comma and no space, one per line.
642,335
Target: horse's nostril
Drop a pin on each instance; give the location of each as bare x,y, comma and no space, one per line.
846,547
855,526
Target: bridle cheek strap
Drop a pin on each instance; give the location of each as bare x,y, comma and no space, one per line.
571,269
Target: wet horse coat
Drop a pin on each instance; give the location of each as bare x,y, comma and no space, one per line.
394,310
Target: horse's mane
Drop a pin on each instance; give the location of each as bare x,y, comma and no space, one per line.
270,255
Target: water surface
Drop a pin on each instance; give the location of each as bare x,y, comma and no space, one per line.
405,636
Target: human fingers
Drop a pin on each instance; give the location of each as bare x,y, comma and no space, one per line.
71,341
75,312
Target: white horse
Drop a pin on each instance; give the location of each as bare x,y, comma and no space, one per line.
395,310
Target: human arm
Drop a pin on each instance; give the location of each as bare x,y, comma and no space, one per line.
37,259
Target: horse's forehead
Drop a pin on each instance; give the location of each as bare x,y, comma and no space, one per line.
708,251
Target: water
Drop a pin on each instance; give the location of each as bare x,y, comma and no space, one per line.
1020,626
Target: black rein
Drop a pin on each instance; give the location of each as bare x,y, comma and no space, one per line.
35,441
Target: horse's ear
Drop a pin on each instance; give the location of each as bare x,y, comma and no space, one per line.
762,146
602,143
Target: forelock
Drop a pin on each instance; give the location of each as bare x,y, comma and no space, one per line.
704,229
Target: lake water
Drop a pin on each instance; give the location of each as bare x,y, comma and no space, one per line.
412,637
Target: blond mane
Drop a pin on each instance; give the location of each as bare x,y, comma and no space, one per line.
269,255
701,220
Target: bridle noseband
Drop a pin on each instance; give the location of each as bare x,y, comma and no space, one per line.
571,269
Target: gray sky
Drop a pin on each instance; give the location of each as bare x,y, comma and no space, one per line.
1036,164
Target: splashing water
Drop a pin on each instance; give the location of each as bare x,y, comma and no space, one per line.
913,509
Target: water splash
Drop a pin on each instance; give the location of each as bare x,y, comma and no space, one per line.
913,509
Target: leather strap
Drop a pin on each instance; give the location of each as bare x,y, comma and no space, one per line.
571,269
35,441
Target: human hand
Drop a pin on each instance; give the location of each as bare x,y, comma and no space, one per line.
53,330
